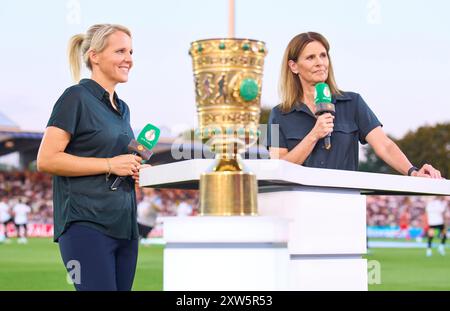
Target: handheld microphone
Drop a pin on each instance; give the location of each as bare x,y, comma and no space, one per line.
322,99
147,139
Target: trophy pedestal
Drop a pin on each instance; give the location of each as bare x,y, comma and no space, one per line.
327,236
224,253
229,193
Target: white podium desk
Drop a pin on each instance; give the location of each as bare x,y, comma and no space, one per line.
326,215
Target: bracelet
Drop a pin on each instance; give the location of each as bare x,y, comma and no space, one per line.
411,169
109,169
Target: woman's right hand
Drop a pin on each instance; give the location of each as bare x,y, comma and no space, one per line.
125,165
324,125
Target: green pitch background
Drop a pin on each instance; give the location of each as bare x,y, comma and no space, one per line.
38,266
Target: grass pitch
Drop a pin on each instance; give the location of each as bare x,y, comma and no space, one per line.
38,266
409,269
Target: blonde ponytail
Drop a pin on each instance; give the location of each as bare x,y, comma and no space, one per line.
74,51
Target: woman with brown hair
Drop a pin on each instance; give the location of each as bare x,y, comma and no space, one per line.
307,62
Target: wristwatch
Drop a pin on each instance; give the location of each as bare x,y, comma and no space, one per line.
411,169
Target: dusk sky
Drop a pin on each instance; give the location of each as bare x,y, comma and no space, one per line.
396,54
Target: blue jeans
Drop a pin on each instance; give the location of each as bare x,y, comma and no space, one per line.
97,262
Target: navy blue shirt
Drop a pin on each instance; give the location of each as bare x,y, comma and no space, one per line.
97,130
353,121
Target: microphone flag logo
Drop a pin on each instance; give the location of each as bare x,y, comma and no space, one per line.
150,135
326,91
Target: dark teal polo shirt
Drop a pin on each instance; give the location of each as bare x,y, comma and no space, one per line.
97,130
353,121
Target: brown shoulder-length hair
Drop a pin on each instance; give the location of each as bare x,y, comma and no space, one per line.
290,87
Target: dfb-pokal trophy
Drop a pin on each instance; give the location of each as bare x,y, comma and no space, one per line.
228,79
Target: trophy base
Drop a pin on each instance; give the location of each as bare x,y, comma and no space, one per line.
228,194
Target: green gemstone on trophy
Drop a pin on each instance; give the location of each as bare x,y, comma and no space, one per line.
262,50
246,46
222,46
249,89
323,94
197,133
200,48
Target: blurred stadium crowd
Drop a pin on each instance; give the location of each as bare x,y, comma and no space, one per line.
35,190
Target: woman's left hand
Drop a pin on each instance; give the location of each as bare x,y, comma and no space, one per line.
427,171
135,176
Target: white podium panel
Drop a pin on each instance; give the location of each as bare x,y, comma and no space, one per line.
225,253
327,273
329,221
327,236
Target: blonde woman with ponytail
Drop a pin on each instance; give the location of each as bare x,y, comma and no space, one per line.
296,133
85,148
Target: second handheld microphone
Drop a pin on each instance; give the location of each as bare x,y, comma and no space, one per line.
324,104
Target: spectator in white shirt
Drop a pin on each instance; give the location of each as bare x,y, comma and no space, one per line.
184,209
436,210
21,211
147,213
5,218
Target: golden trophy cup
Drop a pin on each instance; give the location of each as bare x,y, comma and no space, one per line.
228,80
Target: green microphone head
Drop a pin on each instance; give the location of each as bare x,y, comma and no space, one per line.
147,139
323,93
149,136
